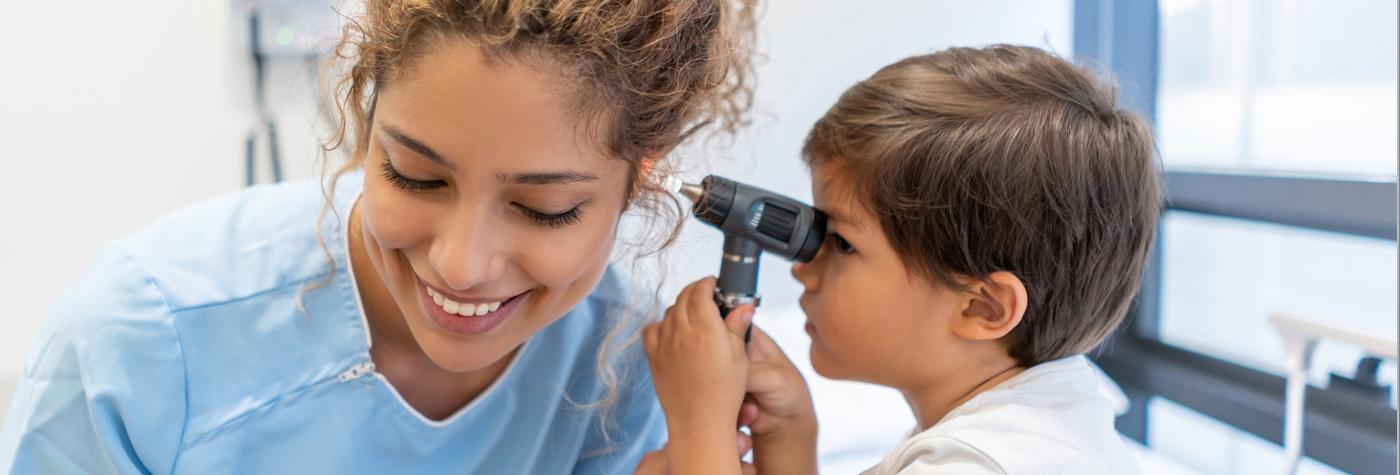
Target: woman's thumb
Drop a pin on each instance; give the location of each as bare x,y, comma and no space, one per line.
739,319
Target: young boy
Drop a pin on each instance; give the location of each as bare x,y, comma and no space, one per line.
990,211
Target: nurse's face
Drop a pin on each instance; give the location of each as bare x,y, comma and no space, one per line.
485,212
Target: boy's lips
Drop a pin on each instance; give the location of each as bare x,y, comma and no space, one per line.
810,327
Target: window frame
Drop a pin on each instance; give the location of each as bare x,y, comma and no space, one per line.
1342,430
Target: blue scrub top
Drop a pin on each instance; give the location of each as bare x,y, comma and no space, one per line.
183,351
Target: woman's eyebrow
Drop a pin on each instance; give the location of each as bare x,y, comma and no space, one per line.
417,146
553,177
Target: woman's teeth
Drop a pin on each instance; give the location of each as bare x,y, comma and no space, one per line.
463,309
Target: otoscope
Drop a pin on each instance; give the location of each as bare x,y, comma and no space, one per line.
753,220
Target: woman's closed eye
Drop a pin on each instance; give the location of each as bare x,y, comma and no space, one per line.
553,220
397,179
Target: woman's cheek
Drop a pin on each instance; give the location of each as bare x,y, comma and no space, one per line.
572,252
395,221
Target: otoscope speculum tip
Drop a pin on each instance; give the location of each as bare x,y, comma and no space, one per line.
692,191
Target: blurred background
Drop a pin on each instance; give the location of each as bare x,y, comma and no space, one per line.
1276,122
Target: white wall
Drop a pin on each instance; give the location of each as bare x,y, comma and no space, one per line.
114,113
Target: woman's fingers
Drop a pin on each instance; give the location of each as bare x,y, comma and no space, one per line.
703,312
739,319
763,349
700,302
748,412
685,306
677,317
653,463
760,344
765,379
650,334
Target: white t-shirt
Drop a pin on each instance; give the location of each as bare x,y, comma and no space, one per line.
1052,418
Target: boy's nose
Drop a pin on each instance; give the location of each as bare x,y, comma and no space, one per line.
803,274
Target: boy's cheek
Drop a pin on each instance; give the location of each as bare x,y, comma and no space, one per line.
833,357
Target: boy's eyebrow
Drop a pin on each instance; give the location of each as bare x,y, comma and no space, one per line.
834,216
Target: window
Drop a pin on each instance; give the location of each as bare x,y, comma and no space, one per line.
1221,277
1276,122
1214,447
1285,85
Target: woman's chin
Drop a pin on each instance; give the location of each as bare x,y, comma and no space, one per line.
462,360
460,354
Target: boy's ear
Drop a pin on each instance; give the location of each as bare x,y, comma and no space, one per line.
992,307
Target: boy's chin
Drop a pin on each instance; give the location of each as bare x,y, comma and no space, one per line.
830,366
825,364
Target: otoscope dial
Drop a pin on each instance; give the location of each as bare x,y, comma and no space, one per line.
780,225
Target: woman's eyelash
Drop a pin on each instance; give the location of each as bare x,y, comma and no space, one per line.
555,221
841,244
406,183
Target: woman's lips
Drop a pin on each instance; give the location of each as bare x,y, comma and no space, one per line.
436,306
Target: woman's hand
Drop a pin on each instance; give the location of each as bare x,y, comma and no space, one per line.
778,411
700,369
778,395
656,463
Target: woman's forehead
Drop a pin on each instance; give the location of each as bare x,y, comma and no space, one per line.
469,110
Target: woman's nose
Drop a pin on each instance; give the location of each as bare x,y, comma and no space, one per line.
466,258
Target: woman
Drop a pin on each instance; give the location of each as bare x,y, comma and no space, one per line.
451,309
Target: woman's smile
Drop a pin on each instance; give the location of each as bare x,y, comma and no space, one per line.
467,315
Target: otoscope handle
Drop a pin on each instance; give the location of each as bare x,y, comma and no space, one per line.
737,284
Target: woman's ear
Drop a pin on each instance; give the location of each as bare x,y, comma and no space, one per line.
646,170
992,307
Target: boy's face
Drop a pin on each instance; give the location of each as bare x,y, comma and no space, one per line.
870,319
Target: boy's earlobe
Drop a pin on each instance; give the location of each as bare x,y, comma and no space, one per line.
995,305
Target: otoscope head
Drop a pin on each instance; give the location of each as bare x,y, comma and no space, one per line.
779,225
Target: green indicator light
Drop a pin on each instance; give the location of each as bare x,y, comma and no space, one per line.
284,35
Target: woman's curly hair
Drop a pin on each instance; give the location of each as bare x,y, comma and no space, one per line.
646,74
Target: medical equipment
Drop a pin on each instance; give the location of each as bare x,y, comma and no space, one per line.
285,32
265,118
1300,338
753,220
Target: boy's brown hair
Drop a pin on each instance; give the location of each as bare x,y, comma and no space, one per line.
1004,158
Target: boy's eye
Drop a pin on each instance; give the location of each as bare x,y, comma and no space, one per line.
840,243
406,183
555,220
